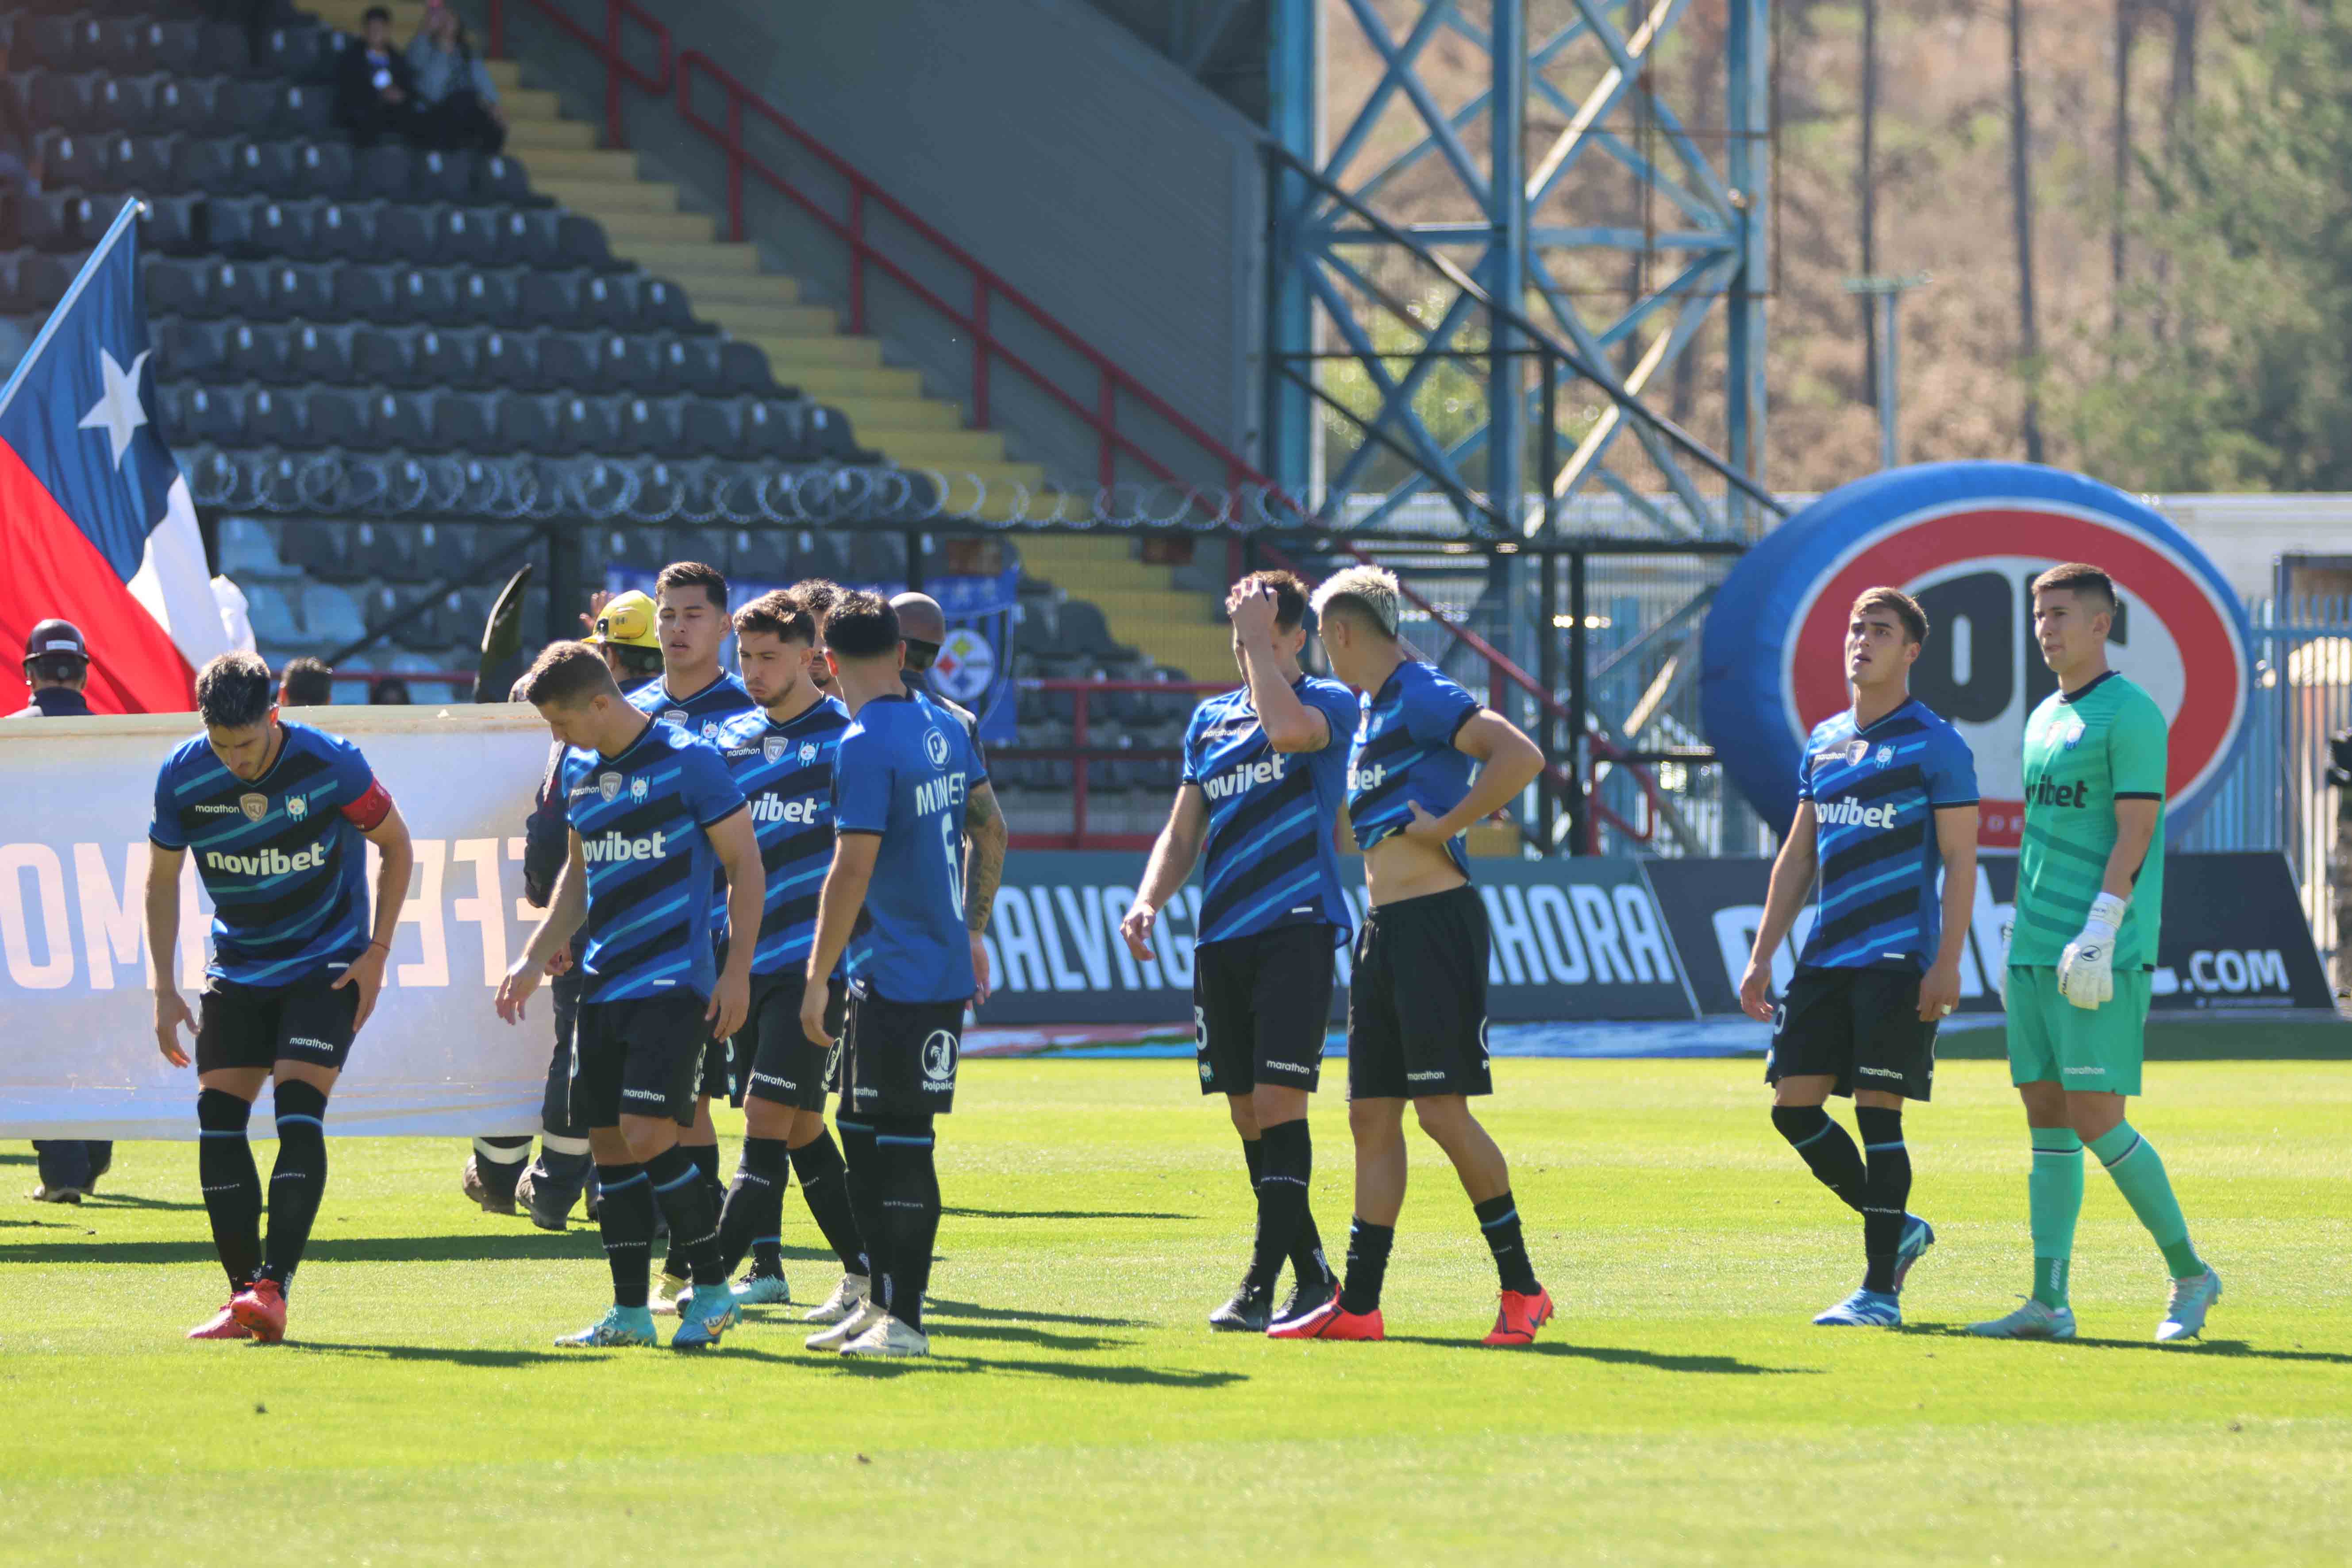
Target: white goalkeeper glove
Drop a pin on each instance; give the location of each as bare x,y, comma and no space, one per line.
2000,969
2086,970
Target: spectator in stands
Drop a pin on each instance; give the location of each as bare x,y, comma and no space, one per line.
56,667
306,683
20,154
390,691
457,102
375,92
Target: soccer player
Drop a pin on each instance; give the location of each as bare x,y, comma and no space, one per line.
306,683
817,595
2090,892
1886,795
1417,993
908,910
783,760
1264,769
650,807
923,626
274,813
695,694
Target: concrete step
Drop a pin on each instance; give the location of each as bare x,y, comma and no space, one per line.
829,384
655,227
898,413
599,166
770,320
505,75
528,103
737,289
786,355
525,137
950,451
680,263
598,198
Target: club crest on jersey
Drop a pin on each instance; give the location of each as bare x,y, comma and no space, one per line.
1855,751
772,749
298,806
676,716
808,753
609,786
1886,756
939,1058
2074,735
935,746
710,729
255,806
637,789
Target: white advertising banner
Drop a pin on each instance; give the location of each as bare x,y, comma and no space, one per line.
77,1056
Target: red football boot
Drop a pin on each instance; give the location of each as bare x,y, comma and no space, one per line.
261,1307
1330,1321
221,1325
1520,1317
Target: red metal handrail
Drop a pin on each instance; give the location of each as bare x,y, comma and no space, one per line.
618,67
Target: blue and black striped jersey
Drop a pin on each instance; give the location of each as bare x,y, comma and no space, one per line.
1404,751
786,771
705,716
903,771
641,818
1876,791
1271,860
281,855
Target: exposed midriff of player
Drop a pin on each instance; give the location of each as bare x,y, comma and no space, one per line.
1886,799
2090,896
1417,991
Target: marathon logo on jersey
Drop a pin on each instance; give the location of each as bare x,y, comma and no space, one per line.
616,848
1247,776
769,806
1851,812
212,809
255,806
270,862
2045,793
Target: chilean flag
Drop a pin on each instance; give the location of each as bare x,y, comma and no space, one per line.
97,526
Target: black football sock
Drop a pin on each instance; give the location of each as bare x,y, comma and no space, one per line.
909,1183
1309,1267
624,1214
498,1164
705,1160
824,1186
1824,1147
1253,1156
754,1210
859,1176
299,1180
1368,1265
1498,1221
232,1184
1285,1159
678,1189
1886,1195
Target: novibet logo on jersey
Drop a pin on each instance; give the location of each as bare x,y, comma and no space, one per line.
1851,812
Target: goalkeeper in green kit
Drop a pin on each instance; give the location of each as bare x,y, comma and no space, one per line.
2089,889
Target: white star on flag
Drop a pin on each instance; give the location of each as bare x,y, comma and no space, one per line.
118,411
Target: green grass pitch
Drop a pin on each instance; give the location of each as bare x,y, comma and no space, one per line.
1681,1410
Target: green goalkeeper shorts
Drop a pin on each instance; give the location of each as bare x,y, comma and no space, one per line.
2051,1040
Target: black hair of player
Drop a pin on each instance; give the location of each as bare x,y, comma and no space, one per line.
636,663
2080,578
306,682
861,625
567,675
1290,596
694,574
56,668
235,692
777,615
815,594
1906,609
376,14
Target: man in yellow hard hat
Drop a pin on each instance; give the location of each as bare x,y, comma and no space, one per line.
624,633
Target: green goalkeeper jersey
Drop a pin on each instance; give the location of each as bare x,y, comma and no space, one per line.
2084,751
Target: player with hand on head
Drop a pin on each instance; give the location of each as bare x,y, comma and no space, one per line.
783,760
908,902
651,810
1264,771
1886,798
274,813
2090,892
698,697
1417,994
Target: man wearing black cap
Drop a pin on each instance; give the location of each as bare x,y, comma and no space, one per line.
57,667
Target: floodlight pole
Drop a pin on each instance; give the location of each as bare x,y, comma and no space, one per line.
1886,294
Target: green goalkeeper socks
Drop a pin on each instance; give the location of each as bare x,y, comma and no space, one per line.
2054,1200
2139,1176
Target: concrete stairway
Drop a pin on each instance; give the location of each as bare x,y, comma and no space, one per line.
1177,627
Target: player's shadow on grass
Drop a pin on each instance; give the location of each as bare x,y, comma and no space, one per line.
1067,1371
522,1247
1622,1355
933,1307
2201,1347
448,1354
1042,1339
1063,1213
104,1201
